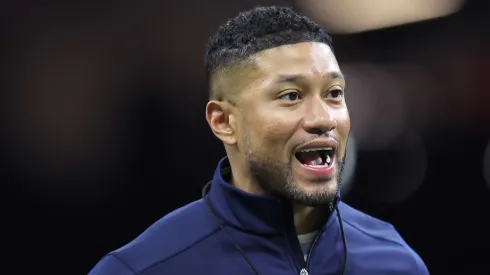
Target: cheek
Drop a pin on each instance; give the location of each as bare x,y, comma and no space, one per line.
343,129
269,132
343,120
274,128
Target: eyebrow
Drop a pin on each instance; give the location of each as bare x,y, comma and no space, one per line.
295,78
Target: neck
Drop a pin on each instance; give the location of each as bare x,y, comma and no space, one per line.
307,218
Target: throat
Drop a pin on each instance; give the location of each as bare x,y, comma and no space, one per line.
308,219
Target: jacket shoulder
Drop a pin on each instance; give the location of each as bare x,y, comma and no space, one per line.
111,265
368,225
166,238
362,226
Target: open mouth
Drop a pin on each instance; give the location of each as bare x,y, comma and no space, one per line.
316,157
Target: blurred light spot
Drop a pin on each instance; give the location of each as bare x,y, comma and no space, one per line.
352,16
349,166
394,174
486,165
377,105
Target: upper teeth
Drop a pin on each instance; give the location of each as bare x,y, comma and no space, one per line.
316,149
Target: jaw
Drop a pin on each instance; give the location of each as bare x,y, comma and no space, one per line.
241,176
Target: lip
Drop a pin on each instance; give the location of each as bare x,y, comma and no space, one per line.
319,143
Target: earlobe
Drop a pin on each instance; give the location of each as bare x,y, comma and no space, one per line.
221,121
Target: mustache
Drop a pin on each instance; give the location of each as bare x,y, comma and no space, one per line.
311,138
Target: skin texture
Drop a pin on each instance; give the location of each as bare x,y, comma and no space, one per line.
284,98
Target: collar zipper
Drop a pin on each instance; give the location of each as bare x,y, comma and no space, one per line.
304,271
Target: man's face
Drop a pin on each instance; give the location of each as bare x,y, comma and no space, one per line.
293,104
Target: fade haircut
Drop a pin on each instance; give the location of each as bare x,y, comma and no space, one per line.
255,30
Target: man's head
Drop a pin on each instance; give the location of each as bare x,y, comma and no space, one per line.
277,103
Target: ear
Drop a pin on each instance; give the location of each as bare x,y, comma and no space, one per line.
222,121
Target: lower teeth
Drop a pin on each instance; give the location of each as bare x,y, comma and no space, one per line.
321,165
318,163
325,164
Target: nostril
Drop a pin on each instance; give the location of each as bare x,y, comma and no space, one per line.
319,131
316,131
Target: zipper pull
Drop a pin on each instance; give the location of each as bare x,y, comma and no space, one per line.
303,272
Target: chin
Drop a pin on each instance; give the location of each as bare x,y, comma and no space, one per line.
313,192
320,185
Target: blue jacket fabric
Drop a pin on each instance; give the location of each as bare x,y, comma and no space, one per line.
190,240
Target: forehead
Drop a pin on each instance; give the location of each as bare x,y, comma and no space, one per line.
308,58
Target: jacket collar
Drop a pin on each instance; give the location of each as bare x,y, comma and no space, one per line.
262,214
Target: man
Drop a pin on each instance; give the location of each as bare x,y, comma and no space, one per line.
277,103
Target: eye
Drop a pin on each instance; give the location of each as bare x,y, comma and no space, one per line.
336,94
291,96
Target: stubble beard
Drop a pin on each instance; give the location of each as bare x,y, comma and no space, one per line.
277,178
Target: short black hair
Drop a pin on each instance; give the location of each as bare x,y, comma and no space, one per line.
259,29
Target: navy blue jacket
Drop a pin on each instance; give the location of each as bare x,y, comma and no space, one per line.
190,240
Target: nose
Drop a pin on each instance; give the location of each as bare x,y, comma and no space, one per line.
318,119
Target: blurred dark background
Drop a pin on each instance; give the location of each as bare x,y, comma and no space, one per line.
103,131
